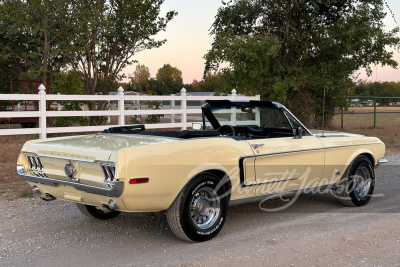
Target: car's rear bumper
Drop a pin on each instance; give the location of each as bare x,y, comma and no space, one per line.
115,191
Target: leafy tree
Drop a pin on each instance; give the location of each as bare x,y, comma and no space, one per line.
291,50
69,83
111,33
169,80
34,34
140,79
221,82
381,89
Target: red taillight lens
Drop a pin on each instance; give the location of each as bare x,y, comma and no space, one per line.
139,180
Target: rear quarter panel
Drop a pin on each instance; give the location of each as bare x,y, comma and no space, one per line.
171,166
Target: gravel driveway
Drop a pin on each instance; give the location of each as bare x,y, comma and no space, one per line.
316,230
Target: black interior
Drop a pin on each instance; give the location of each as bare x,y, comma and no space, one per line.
241,132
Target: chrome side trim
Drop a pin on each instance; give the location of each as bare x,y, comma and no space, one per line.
288,193
115,191
306,150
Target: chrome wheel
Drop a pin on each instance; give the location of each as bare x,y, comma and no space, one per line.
362,182
205,208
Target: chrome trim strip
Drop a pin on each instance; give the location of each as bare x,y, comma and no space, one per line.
305,150
241,159
115,191
292,192
279,105
74,159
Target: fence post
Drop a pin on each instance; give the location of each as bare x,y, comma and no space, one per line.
42,110
121,106
172,107
58,104
341,121
234,95
108,108
374,112
233,114
184,109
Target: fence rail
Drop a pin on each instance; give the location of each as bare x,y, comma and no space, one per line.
175,111
374,104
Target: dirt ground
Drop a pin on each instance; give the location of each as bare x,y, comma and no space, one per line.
315,231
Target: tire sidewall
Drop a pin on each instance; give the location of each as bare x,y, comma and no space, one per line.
200,235
359,162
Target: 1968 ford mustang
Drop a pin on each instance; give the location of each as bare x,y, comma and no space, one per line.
243,151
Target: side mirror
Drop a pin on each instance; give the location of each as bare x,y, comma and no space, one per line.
197,126
298,133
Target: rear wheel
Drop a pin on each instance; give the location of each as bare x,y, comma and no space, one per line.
97,212
199,211
357,184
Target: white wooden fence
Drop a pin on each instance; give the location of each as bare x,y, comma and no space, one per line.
174,111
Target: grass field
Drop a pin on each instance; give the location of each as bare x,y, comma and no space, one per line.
387,125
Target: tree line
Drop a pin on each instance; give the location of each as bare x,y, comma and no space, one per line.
43,39
290,51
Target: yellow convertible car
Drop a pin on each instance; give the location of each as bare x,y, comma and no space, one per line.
243,151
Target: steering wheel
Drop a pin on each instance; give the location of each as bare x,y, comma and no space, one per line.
226,130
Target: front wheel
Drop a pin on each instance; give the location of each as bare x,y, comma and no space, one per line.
357,184
199,211
97,212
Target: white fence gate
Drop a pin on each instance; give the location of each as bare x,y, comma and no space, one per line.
174,111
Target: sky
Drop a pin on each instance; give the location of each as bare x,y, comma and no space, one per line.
188,40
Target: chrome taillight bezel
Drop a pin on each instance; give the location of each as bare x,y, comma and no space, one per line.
109,173
34,162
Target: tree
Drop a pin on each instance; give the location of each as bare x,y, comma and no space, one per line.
111,33
34,34
169,80
291,50
140,79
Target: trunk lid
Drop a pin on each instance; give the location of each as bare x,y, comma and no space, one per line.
91,147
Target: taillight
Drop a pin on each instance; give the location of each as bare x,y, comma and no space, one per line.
139,180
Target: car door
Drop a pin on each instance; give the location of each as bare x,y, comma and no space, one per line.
287,163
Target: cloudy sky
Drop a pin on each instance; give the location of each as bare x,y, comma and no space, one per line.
188,40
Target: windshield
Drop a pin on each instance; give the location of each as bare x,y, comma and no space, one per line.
249,116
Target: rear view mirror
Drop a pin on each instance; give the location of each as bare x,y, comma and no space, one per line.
298,133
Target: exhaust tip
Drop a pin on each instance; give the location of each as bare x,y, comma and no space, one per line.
36,190
113,205
48,197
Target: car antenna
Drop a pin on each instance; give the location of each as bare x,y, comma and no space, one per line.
323,113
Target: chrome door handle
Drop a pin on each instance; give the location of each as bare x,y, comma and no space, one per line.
255,146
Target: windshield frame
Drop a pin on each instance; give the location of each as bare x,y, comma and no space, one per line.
208,114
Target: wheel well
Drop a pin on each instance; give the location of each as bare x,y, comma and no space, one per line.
370,157
221,175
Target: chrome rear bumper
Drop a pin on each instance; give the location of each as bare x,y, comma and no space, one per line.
115,191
